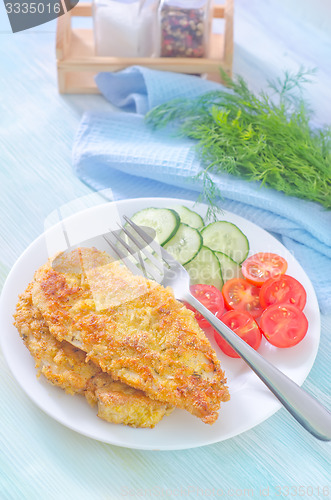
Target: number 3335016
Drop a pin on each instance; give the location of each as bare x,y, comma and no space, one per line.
302,491
33,8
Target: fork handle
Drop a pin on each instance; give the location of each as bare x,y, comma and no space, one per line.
303,407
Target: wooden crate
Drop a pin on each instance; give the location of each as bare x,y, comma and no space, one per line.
77,63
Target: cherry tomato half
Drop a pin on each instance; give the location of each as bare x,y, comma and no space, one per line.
244,325
240,294
261,266
283,325
283,289
211,297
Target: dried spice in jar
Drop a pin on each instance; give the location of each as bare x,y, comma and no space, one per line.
184,28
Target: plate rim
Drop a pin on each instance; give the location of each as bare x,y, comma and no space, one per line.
117,442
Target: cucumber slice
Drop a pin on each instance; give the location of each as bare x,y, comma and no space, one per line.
205,269
189,217
225,237
230,268
185,245
164,221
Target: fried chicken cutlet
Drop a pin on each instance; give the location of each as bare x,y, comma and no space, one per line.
65,366
133,328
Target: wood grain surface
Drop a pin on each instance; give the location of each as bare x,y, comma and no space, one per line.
41,459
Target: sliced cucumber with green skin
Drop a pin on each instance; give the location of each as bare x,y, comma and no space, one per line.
185,245
230,268
225,237
205,269
164,221
189,217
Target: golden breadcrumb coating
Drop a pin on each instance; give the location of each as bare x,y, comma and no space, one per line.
133,328
120,404
66,366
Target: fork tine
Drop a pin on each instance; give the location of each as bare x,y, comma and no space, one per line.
123,242
120,255
166,256
130,252
142,249
146,268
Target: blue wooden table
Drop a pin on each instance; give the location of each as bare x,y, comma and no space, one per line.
41,459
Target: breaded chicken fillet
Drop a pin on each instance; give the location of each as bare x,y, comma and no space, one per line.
66,366
133,328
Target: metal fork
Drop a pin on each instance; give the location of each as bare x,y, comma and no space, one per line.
164,269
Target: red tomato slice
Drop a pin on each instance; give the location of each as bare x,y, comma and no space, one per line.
244,325
283,289
283,325
261,266
211,297
240,294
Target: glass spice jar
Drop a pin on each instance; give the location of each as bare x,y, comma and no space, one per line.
184,28
125,28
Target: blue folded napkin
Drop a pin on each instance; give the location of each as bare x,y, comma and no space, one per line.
118,150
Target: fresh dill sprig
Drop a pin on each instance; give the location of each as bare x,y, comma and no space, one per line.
256,137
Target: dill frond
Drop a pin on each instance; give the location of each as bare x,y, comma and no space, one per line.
256,137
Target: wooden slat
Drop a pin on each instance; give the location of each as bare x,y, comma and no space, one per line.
63,33
85,10
218,11
216,52
228,37
179,65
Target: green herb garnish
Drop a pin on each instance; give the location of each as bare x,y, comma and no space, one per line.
256,137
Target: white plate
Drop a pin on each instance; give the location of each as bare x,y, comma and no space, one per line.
251,402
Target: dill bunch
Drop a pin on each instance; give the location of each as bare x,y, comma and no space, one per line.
256,137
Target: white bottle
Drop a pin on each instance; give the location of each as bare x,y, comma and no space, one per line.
125,28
